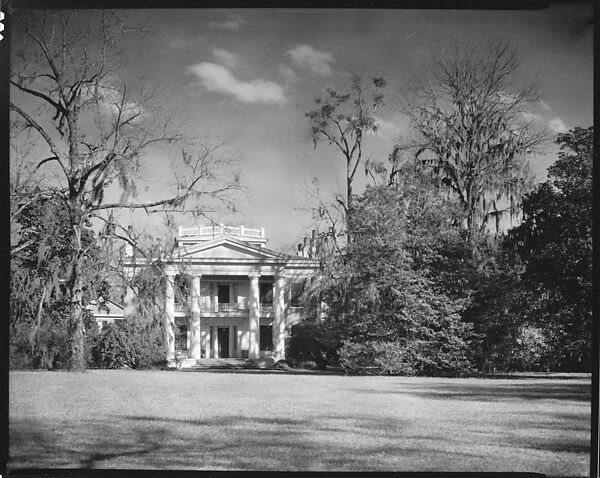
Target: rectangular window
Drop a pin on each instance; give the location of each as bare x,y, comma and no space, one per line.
266,337
266,292
235,339
297,290
223,293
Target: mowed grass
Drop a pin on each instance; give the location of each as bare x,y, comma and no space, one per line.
230,421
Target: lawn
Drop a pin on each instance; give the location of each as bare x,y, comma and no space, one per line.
235,421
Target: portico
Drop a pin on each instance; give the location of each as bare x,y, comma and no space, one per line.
227,296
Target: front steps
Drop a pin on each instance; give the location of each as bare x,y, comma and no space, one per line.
219,364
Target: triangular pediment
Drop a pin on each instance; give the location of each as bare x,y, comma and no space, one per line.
227,248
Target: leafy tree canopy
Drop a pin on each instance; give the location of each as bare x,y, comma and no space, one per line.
380,289
470,116
554,241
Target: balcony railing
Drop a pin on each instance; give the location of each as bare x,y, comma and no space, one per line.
232,307
221,229
179,307
223,307
266,307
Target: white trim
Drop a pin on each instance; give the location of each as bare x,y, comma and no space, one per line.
260,252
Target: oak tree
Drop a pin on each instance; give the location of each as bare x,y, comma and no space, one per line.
472,118
554,241
95,122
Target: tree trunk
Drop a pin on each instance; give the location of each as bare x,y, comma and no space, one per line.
77,359
348,202
78,362
38,321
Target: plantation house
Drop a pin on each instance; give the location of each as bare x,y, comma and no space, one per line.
239,298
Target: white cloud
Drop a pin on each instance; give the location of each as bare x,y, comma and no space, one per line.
217,78
557,125
304,56
234,24
228,59
545,106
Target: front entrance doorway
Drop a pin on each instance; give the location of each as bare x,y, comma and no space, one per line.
223,339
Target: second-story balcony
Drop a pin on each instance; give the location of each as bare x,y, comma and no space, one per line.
223,307
266,307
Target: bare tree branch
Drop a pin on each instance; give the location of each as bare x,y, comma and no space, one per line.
74,56
342,119
34,124
38,94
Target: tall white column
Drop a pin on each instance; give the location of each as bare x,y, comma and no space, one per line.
205,337
253,317
215,342
170,314
279,323
245,342
215,297
195,328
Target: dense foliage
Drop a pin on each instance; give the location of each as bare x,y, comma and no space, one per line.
408,297
133,343
554,242
382,295
40,323
41,326
312,341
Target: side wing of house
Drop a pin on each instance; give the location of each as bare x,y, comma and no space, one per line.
106,312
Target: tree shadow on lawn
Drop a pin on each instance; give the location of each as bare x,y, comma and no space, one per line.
230,442
578,392
43,445
541,429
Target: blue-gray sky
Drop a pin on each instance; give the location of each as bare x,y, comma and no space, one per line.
249,76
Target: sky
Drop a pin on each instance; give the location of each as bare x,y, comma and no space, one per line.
248,76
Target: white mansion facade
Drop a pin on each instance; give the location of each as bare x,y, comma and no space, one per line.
241,299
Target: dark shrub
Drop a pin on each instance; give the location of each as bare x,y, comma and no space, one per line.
48,345
393,358
92,338
311,342
131,343
357,359
21,349
397,358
